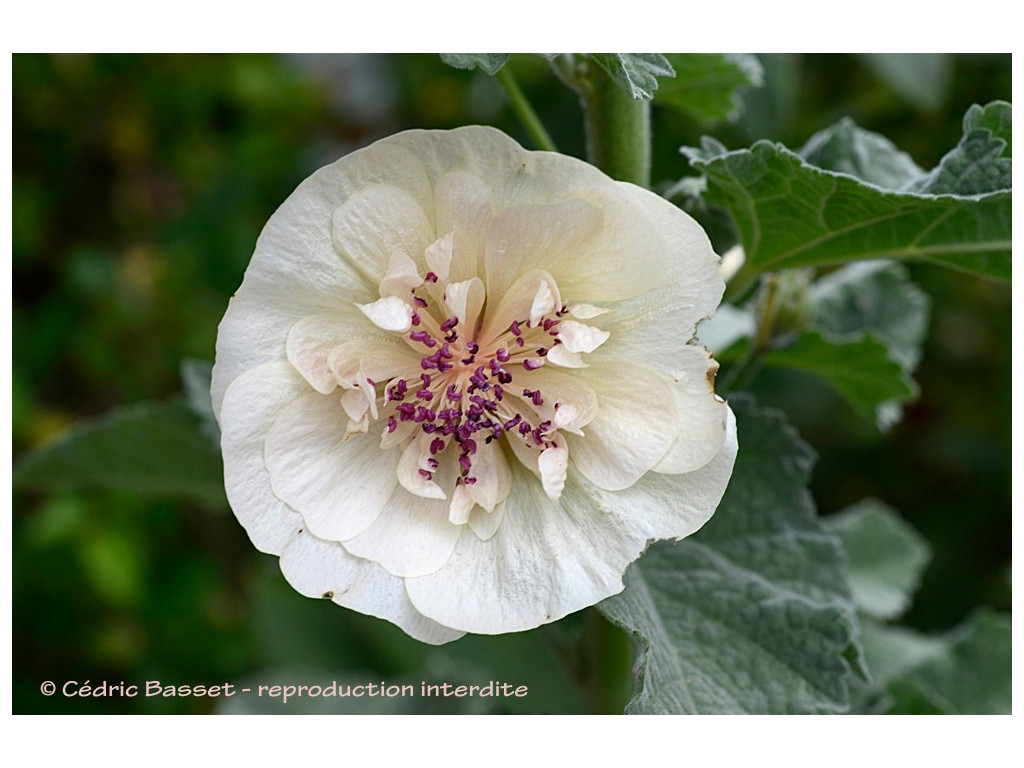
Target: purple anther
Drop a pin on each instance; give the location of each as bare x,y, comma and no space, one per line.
515,328
531,365
542,352
511,423
445,352
470,480
469,446
473,347
436,446
425,394
423,337
427,364
524,429
505,377
422,303
426,475
450,323
433,464
498,391
549,323
469,360
444,367
392,424
536,398
430,278
452,395
452,337
503,355
465,462
537,438
406,411
415,319
519,341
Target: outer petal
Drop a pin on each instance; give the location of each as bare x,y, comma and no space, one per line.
546,560
662,506
633,428
701,415
339,487
251,405
411,537
318,568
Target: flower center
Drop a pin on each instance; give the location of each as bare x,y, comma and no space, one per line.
464,392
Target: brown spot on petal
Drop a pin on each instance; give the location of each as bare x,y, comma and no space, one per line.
328,595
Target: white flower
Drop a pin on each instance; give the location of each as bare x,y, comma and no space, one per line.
455,387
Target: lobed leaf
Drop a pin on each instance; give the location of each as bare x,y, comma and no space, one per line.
706,86
751,614
636,73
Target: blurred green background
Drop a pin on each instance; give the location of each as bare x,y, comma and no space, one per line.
140,184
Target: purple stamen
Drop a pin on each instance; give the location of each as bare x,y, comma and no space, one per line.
430,278
531,365
422,303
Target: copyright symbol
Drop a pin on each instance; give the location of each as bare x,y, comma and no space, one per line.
48,688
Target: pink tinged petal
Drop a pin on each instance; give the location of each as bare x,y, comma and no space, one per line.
251,405
402,277
338,486
700,414
661,506
465,300
547,559
376,223
578,337
516,304
415,461
411,537
633,428
390,313
553,464
439,256
323,569
492,476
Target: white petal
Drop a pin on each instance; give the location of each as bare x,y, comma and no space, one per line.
700,415
660,506
553,464
485,524
462,504
545,301
251,405
588,311
375,224
567,400
355,404
415,457
338,487
390,313
311,339
465,300
578,337
546,560
492,476
439,256
516,304
633,427
323,569
463,207
353,362
402,277
412,536
559,355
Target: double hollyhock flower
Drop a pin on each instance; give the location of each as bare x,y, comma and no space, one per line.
457,387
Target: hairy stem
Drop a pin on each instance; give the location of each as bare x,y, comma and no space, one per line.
524,111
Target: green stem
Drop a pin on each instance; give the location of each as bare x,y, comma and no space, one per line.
524,111
618,128
619,143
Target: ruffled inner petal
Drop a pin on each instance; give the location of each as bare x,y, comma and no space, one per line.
339,487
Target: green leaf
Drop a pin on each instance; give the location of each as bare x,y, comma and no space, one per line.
791,214
996,118
920,79
751,614
847,148
886,557
636,73
969,675
876,297
488,62
706,85
860,369
149,448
